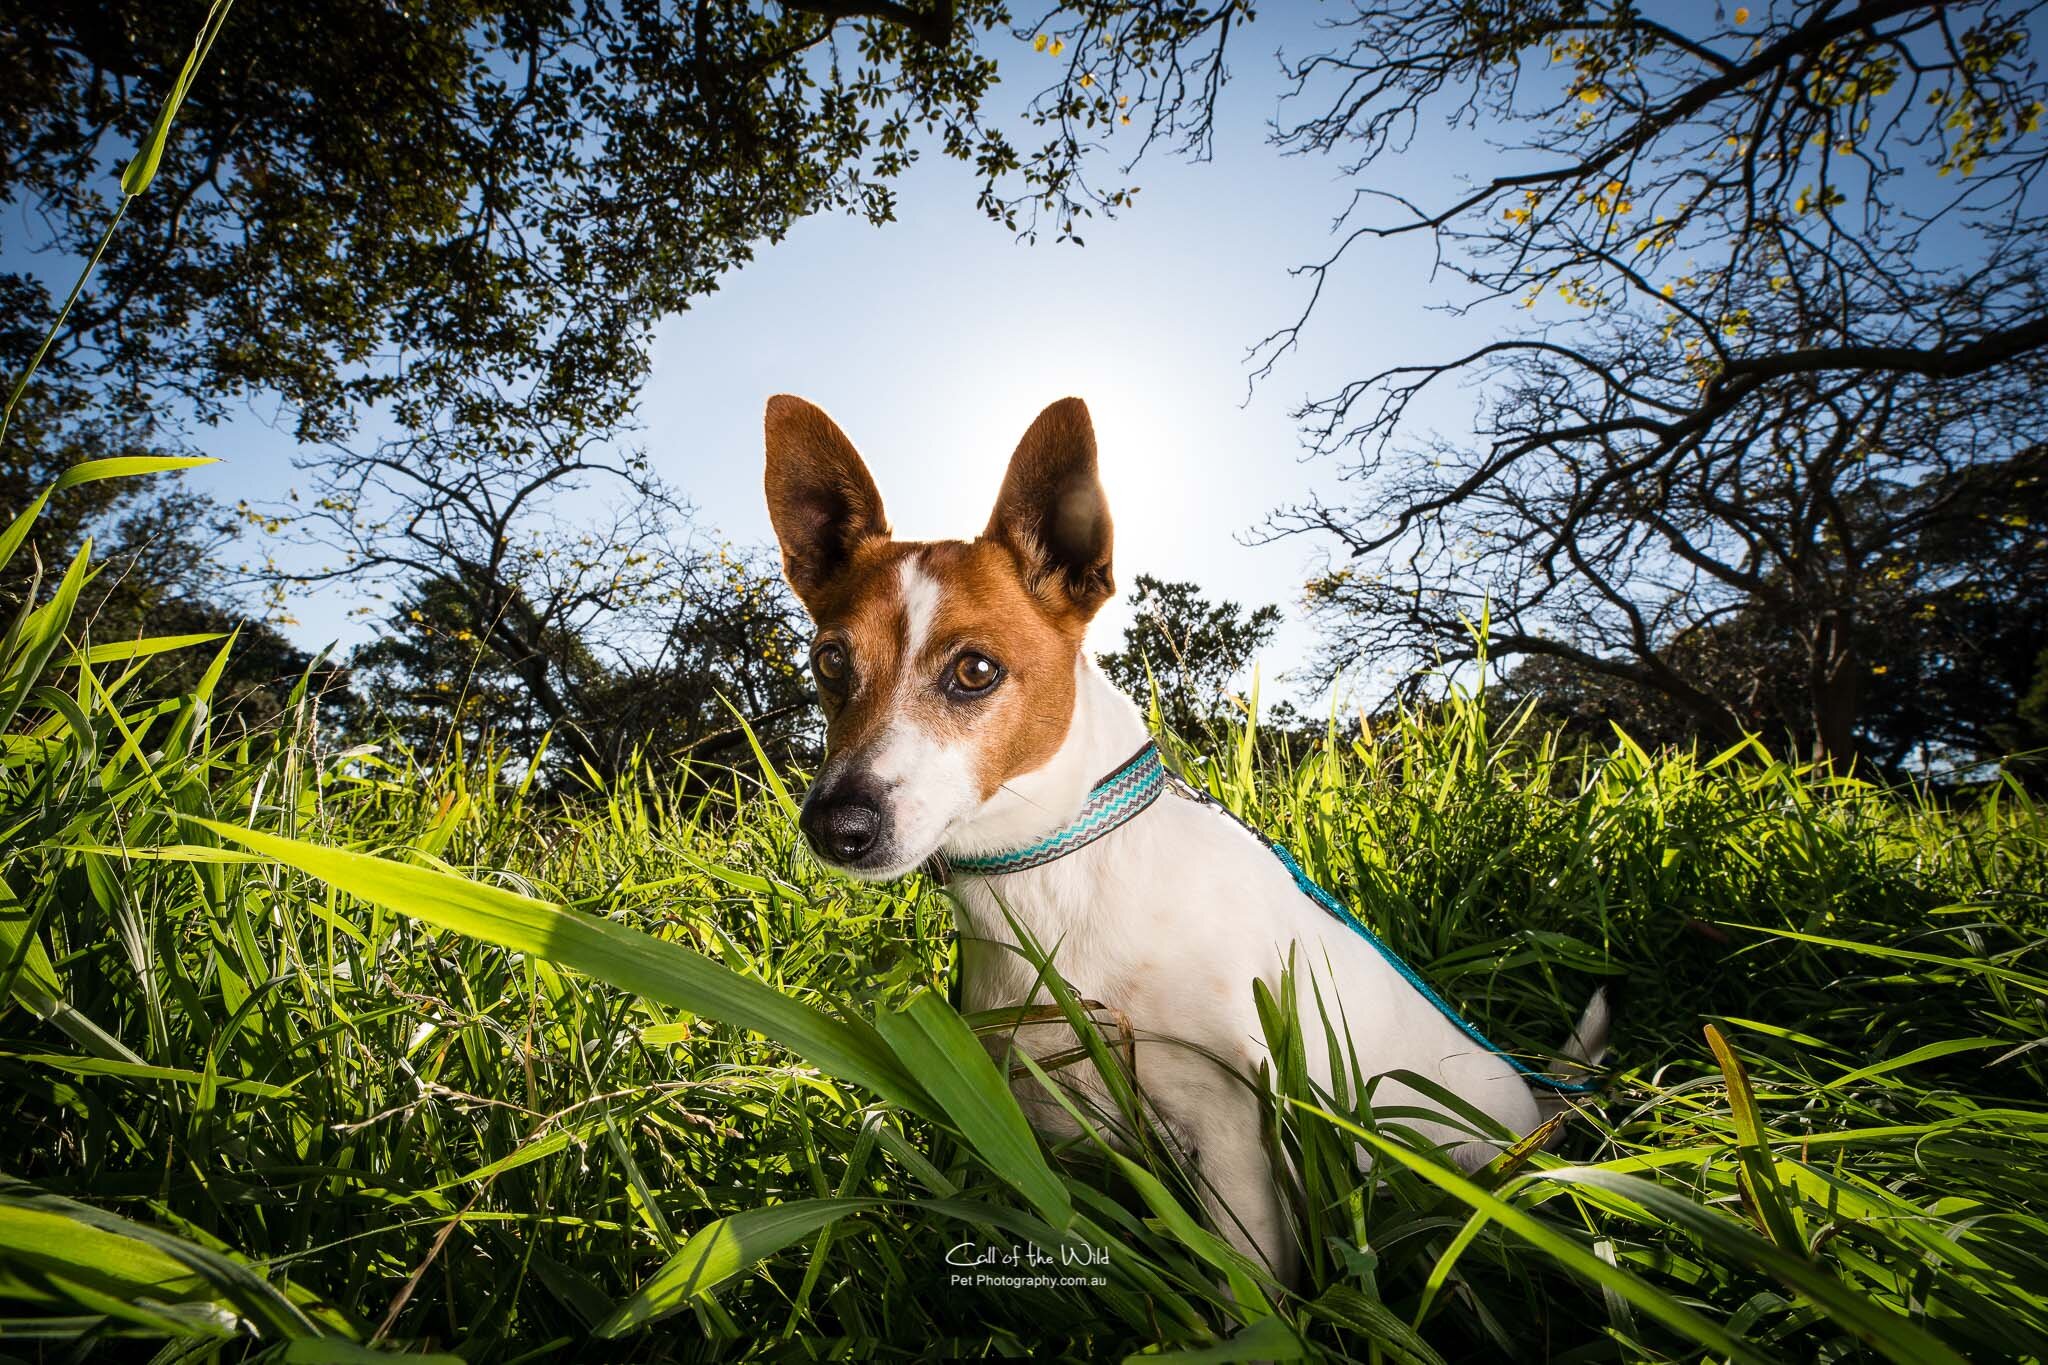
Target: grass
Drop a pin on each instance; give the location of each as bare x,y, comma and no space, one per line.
309,1049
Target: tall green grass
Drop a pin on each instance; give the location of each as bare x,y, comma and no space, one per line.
310,1049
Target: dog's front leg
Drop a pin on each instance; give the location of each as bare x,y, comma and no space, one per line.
1236,1176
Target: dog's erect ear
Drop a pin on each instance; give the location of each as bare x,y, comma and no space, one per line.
820,496
1052,513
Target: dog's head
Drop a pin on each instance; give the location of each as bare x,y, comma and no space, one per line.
946,668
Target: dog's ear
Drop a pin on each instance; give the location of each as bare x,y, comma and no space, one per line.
1052,514
821,498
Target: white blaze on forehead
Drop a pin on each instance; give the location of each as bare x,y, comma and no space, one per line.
928,779
920,609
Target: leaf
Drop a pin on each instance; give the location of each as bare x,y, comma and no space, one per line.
935,1044
134,649
626,958
1759,1164
526,1155
142,1071
167,853
1366,1315
143,165
1892,1335
49,1241
1568,1253
40,635
721,1250
126,467
138,1265
18,529
1926,1053
768,773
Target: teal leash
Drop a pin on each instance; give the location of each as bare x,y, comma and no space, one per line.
1321,896
1129,790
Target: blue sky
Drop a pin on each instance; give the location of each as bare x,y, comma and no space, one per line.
934,340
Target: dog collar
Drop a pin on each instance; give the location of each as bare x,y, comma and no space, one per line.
1116,800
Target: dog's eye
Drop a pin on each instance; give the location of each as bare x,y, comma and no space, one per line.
974,673
828,661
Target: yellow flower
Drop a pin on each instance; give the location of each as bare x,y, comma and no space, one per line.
1038,44
1741,14
1058,46
1086,80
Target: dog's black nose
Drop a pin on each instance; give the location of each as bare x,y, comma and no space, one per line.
842,826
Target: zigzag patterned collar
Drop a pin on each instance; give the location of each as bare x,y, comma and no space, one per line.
1117,799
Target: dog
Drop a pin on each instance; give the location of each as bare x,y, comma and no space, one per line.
966,721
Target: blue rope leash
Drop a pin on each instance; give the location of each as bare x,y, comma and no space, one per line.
1343,912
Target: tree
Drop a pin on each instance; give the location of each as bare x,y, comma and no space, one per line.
482,207
1189,647
1781,378
609,628
433,675
1949,624
1784,278
368,205
460,220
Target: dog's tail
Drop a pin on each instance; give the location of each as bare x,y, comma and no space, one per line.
1583,1052
1588,1044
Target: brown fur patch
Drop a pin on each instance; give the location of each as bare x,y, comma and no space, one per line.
821,498
983,606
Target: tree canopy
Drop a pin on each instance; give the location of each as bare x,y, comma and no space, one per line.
1765,286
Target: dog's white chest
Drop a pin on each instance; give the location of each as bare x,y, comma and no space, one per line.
1167,919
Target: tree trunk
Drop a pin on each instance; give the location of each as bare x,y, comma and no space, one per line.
1832,687
509,626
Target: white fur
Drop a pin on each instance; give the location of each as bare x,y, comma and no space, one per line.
1167,919
928,782
920,606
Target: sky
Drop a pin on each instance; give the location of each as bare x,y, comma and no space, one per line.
935,339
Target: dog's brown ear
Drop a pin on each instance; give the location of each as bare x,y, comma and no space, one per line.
821,498
1052,513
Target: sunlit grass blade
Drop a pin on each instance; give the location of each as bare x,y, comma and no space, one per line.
1889,1334
721,1250
935,1045
1656,1303
123,650
142,167
133,1262
1759,1166
627,959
